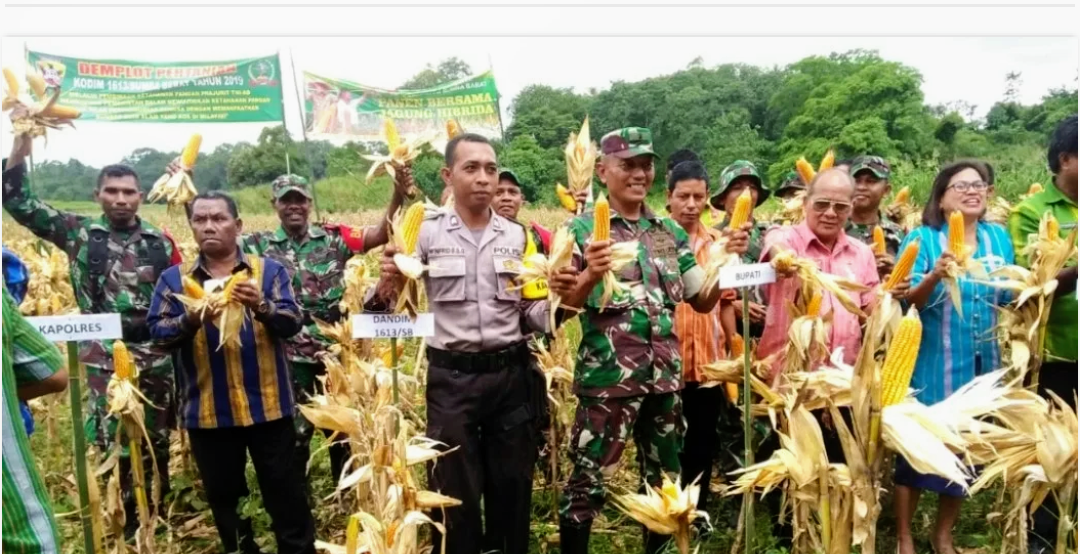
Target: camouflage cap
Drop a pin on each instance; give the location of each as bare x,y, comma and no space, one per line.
876,164
289,183
627,142
740,168
790,180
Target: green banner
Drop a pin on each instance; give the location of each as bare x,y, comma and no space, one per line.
182,92
341,109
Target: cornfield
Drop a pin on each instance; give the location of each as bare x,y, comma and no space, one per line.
380,498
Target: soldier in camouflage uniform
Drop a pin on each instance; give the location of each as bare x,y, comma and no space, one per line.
742,175
116,259
628,367
871,176
790,185
315,257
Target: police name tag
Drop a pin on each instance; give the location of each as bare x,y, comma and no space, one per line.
392,326
63,328
749,275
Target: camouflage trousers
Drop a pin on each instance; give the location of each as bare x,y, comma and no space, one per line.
305,385
602,427
157,385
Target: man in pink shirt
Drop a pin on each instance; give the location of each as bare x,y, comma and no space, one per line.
820,237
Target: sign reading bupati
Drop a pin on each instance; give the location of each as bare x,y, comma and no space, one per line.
246,90
347,110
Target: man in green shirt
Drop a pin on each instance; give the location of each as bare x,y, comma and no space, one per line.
32,368
1058,373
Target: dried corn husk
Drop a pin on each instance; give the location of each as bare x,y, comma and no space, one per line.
581,156
813,279
33,118
667,510
622,255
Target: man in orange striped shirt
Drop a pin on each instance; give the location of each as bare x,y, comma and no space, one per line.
701,336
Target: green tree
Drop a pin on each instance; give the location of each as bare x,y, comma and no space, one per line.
450,69
262,163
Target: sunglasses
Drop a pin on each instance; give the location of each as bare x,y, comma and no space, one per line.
822,206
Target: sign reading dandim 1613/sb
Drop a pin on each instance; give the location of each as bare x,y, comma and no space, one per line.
392,326
63,328
165,92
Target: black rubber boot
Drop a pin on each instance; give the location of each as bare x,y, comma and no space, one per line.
574,539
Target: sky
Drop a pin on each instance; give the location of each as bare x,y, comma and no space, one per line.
970,69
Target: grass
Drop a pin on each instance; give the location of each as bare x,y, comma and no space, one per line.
190,528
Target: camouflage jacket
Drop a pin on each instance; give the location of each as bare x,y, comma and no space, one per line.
894,233
631,349
317,269
112,270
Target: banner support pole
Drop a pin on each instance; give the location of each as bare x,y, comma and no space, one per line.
303,132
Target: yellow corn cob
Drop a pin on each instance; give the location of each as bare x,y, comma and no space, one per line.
234,280
453,128
827,161
352,533
122,364
956,234
1053,228
12,82
741,213
902,196
805,170
391,134
1035,188
37,84
410,227
602,220
565,198
192,288
191,153
813,307
737,346
903,264
60,111
879,240
900,359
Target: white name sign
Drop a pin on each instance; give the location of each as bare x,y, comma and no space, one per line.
749,275
390,326
63,328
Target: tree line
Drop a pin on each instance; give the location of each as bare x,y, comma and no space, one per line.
854,102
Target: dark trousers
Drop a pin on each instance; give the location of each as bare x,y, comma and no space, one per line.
702,408
487,416
1059,378
221,456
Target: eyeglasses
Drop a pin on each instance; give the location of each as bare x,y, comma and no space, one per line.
822,206
964,186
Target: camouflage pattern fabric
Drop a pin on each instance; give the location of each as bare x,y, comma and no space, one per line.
317,268
126,286
740,168
159,413
602,427
630,349
894,234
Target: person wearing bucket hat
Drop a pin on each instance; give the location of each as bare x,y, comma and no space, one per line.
871,176
636,391
737,177
790,185
314,256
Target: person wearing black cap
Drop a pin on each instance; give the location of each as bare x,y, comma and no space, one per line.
509,197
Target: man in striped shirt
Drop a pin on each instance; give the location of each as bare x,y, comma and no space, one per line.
236,399
32,368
